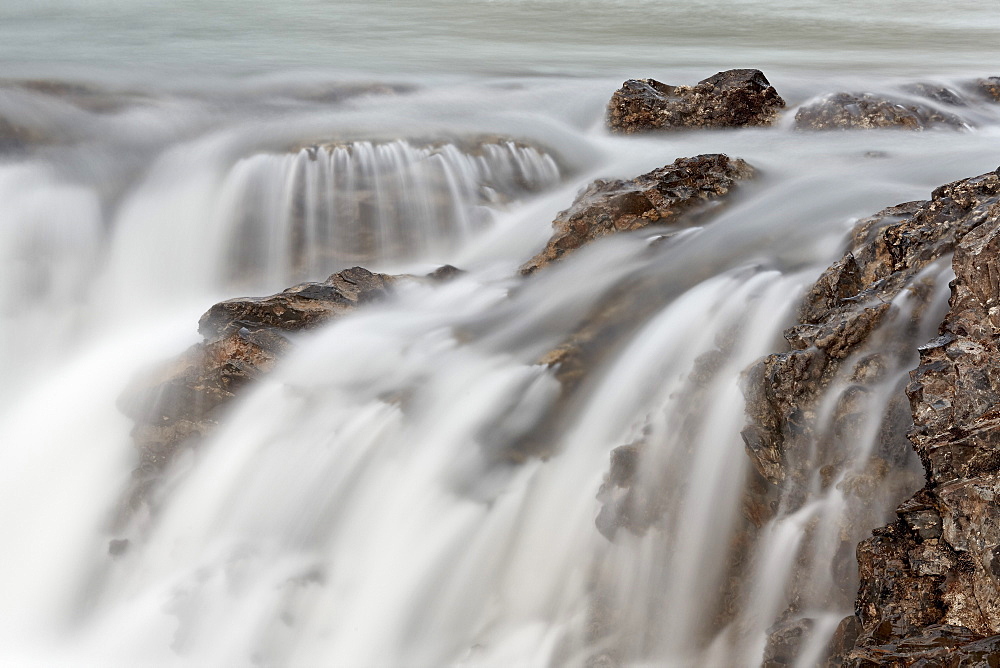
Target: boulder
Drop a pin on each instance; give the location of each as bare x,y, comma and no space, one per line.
730,99
675,194
866,111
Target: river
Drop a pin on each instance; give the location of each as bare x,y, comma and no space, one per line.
195,151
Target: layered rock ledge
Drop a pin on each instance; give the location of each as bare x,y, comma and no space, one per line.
730,99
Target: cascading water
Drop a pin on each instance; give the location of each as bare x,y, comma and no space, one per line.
366,503
299,214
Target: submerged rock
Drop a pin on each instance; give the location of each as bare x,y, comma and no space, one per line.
843,111
730,99
674,194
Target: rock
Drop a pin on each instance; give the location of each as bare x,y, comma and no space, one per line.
848,302
929,587
179,403
730,99
445,272
843,111
300,307
990,87
672,195
938,564
784,642
937,93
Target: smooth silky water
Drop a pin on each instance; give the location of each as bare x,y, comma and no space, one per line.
222,149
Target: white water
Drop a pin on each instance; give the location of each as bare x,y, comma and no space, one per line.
326,525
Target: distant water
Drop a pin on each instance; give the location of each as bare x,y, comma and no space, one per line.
173,154
189,39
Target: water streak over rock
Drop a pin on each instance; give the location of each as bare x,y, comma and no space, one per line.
182,401
866,111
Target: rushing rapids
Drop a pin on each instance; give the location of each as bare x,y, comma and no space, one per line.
654,416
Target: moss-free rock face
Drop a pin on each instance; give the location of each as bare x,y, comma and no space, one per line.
930,581
180,402
990,87
730,99
866,111
937,569
673,194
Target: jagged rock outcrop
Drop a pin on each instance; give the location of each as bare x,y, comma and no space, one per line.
181,401
929,583
848,302
866,111
672,195
730,99
678,195
937,569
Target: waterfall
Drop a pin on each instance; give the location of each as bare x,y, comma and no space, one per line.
413,483
297,215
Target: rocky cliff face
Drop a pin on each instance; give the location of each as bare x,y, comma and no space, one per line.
930,584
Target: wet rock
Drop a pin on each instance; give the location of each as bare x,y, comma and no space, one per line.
843,111
445,272
929,593
990,86
624,505
844,308
784,642
15,137
672,195
300,307
180,402
730,99
937,93
86,96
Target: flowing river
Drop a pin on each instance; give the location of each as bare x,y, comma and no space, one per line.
173,154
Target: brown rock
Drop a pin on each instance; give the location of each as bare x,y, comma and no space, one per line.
674,194
843,111
844,307
177,404
730,99
990,86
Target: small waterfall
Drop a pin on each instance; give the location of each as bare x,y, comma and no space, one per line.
303,215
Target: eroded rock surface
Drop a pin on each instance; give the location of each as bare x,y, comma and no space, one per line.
181,401
929,582
730,99
674,194
990,86
889,252
866,111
